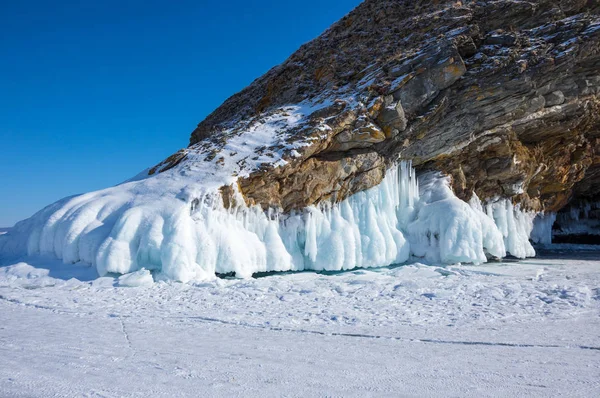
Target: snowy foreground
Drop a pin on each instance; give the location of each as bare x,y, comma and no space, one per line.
527,328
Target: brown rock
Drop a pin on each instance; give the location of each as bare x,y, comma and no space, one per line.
392,118
502,95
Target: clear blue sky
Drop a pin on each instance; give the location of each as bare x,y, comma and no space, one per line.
92,92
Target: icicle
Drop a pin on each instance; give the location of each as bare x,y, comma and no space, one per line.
542,228
580,218
190,235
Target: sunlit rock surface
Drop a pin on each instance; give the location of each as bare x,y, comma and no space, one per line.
500,95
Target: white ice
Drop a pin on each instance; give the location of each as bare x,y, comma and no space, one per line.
542,228
170,226
139,278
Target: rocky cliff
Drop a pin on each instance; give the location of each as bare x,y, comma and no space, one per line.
503,96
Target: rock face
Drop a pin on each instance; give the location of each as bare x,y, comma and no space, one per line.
503,96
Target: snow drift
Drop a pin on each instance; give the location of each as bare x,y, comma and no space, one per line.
172,227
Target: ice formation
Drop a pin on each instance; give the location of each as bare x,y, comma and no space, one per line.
581,218
542,228
143,277
169,226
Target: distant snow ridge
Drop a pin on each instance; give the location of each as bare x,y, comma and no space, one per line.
167,225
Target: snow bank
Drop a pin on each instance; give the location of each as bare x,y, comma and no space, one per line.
139,278
174,227
25,275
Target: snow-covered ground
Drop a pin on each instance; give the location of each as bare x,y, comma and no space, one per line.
527,328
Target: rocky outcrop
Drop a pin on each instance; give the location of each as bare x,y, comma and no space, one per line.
501,95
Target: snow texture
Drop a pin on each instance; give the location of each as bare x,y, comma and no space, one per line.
180,231
503,329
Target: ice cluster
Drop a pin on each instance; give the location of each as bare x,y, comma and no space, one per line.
580,218
542,228
169,226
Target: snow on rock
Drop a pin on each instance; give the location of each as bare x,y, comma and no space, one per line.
250,144
168,224
177,229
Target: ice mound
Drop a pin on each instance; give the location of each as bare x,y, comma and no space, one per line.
174,227
139,278
446,229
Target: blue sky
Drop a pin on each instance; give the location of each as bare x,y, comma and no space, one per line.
92,92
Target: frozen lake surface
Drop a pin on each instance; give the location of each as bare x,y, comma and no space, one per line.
517,328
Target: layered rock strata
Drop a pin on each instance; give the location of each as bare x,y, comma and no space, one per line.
503,96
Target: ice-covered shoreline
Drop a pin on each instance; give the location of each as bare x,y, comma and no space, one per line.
171,227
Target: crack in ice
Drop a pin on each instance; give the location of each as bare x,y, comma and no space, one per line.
127,337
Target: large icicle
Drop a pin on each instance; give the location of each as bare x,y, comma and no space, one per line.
542,228
446,229
169,225
515,225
